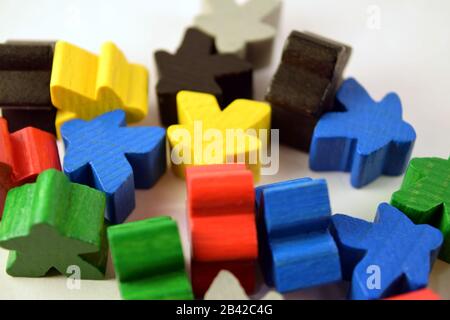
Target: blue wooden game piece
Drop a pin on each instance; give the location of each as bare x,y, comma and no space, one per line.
388,257
296,248
368,139
103,153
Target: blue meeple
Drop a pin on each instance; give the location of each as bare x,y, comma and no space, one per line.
390,256
296,249
368,139
107,155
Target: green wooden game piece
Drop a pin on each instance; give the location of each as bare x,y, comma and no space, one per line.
54,223
148,260
425,196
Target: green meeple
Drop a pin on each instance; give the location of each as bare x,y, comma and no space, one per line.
148,260
54,224
425,196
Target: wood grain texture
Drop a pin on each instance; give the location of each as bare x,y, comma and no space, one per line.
25,71
296,250
368,139
391,249
198,112
425,196
24,154
214,215
222,224
246,30
106,154
84,85
148,260
304,86
54,224
203,274
196,66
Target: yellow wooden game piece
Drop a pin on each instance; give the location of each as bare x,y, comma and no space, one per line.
202,137
84,85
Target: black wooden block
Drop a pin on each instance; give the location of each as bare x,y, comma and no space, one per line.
305,85
292,126
197,67
25,72
39,118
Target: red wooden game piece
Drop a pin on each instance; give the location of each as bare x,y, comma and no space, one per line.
24,154
204,273
221,200
424,294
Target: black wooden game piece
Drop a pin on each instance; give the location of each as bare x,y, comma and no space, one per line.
197,67
305,85
34,117
25,72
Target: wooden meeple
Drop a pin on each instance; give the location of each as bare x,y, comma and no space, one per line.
196,66
304,86
25,72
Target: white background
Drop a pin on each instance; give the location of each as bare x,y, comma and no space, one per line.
409,54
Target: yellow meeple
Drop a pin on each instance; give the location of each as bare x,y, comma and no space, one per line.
207,135
84,85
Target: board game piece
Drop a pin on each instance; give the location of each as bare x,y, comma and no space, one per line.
105,154
84,85
296,250
425,196
368,139
148,260
23,155
25,71
304,86
203,135
246,30
197,66
203,274
419,295
216,241
227,287
215,215
19,118
387,257
54,224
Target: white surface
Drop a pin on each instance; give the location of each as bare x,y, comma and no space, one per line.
409,54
